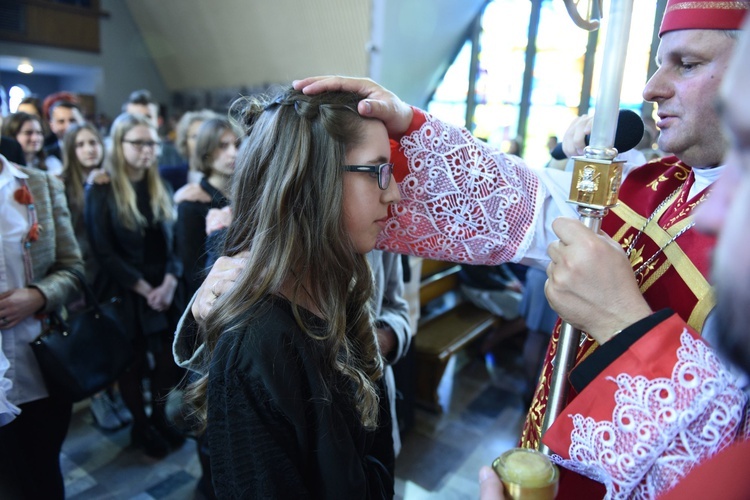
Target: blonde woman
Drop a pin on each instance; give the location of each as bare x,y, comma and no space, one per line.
129,222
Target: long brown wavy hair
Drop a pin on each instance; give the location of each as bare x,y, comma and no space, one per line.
287,202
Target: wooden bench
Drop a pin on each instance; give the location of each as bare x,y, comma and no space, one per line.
448,324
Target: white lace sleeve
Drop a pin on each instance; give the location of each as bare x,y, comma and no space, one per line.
660,428
462,201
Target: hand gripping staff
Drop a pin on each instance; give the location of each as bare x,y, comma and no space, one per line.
596,182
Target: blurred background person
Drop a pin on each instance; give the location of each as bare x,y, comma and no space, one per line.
83,156
31,105
214,155
129,222
27,130
187,131
62,114
52,139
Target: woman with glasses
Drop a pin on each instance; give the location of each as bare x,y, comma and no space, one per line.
129,222
291,389
27,130
214,156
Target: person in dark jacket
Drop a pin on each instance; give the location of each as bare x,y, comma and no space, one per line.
129,222
214,155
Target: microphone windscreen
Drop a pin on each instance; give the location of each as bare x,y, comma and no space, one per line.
628,134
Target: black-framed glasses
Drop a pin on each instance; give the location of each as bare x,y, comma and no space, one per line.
383,172
139,145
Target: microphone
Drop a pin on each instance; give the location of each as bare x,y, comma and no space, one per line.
628,134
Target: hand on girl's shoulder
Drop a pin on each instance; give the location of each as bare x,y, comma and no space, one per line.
97,176
191,192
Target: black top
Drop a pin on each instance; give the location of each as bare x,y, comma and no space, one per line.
126,255
190,235
275,431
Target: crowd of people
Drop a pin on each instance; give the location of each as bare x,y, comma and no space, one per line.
77,201
286,345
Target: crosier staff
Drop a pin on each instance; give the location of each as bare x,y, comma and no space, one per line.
596,183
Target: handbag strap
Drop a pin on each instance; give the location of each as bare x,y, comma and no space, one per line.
88,293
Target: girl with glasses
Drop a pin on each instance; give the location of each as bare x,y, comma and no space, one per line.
129,222
291,387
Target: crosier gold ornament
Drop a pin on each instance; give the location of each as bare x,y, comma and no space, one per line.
595,183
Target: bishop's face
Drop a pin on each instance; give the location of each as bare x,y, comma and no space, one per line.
691,66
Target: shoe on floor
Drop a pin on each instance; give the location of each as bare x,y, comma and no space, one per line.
150,440
104,413
122,411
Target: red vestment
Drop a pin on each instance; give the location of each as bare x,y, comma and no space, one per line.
676,278
665,405
463,202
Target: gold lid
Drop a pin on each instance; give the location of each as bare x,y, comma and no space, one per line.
527,474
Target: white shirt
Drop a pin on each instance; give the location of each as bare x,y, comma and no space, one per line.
23,372
8,411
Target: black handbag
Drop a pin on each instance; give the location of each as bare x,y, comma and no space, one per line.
88,352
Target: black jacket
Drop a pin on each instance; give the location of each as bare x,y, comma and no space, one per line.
123,257
276,430
190,235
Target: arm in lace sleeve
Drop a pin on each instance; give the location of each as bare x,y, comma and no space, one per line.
461,201
664,405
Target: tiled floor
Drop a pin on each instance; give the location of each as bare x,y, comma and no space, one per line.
439,459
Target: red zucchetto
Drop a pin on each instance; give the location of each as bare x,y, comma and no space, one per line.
703,15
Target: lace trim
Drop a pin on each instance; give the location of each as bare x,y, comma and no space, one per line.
660,428
461,201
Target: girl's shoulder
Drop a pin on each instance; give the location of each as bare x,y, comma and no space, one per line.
267,336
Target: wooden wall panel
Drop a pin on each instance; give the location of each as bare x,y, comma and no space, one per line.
56,25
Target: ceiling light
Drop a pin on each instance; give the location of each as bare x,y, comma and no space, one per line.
25,66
